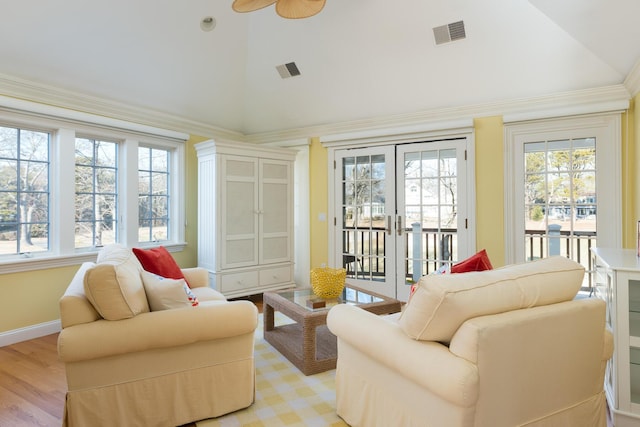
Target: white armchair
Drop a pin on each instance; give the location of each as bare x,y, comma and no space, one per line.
507,347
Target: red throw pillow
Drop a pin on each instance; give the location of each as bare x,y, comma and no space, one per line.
477,262
159,261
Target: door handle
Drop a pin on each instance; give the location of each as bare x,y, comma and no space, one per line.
389,231
399,225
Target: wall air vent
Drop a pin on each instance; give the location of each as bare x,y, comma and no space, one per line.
450,32
288,70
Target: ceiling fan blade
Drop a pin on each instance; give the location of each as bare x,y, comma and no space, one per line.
250,5
295,9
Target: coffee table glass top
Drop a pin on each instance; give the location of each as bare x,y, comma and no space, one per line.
306,298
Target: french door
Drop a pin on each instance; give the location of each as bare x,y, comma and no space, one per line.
401,211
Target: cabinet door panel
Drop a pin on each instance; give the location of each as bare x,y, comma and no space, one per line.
240,251
239,211
275,249
240,168
275,207
276,198
272,170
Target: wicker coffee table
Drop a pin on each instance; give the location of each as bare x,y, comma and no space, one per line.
308,343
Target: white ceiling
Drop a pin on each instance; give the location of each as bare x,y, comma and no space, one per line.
360,59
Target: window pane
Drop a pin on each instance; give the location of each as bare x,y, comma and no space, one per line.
8,143
96,177
24,191
154,198
8,175
84,151
106,180
160,160
32,145
160,183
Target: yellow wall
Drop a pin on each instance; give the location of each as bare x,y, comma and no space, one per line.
319,203
31,298
634,176
489,136
628,171
189,256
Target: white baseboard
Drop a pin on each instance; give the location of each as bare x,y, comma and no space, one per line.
29,332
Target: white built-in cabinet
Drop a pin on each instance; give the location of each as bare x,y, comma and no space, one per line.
616,280
245,216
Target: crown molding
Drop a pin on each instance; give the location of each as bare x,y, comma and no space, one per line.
553,105
632,82
46,94
601,99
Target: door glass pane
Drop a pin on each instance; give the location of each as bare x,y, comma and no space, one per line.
560,198
431,198
364,207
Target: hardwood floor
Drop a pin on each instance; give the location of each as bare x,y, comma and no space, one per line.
32,383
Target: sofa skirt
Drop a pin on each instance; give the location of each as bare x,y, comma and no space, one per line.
166,387
369,394
169,400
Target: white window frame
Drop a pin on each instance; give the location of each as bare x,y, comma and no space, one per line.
64,125
606,128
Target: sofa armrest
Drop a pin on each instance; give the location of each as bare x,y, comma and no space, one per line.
197,277
158,329
429,364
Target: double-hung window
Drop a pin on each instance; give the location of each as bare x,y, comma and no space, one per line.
69,187
153,194
96,178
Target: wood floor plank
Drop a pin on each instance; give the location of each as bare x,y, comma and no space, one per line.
47,399
32,383
16,411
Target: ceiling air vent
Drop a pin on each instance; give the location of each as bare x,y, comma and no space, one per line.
450,32
288,70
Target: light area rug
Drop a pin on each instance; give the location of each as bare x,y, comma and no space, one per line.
284,395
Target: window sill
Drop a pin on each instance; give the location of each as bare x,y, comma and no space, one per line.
45,262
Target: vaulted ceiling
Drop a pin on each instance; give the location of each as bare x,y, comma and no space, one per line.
359,59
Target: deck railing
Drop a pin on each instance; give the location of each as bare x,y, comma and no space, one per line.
438,247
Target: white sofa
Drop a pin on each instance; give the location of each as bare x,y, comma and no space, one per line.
505,347
154,368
